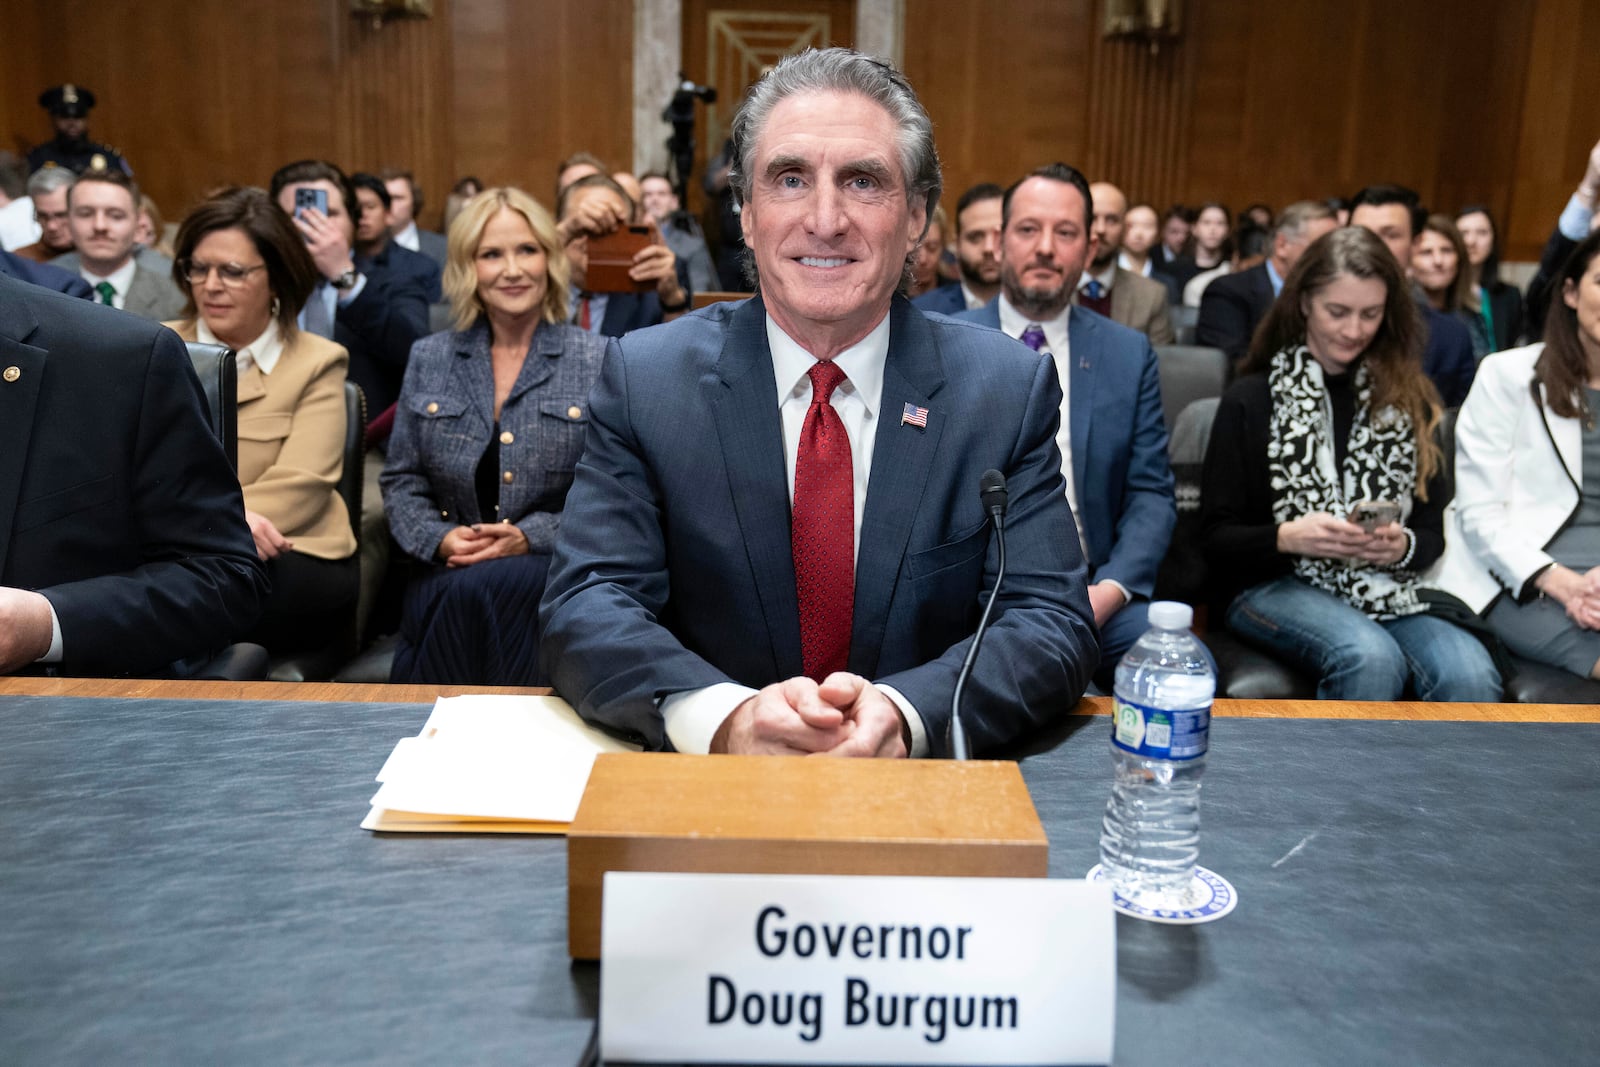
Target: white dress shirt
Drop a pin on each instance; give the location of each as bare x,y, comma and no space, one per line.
693,717
263,352
407,238
120,279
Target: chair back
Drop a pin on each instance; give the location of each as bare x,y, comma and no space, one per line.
1188,373
219,377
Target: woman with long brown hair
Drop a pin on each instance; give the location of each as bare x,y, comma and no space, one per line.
1525,532
1324,489
1439,264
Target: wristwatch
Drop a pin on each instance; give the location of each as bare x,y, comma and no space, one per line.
345,281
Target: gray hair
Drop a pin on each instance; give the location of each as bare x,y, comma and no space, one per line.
1292,220
49,179
841,70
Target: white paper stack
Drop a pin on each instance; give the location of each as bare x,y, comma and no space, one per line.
490,765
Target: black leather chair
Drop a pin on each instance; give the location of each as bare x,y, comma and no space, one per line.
219,377
1188,373
315,665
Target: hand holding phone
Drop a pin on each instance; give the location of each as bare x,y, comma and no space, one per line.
1371,514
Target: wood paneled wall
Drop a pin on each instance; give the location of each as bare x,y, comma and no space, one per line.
1466,100
203,92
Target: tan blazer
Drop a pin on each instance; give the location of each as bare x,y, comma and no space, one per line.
291,443
1138,302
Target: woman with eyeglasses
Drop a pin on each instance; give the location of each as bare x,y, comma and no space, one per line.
246,272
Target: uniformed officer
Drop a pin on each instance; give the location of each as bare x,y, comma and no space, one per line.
69,107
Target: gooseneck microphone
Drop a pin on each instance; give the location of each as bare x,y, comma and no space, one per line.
992,491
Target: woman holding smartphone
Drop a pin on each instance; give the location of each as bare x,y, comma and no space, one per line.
1334,421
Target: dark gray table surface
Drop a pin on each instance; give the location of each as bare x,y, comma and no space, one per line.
184,881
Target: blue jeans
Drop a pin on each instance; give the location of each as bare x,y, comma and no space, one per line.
1354,657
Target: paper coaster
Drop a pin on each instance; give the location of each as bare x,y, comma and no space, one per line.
1213,896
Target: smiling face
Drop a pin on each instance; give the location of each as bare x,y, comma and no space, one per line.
1434,262
1583,297
511,267
236,312
1045,246
1342,318
828,218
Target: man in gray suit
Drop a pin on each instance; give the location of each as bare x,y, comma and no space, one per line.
103,212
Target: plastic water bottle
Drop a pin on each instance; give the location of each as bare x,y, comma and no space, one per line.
1150,837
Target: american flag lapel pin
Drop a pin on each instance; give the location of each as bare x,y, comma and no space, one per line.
914,416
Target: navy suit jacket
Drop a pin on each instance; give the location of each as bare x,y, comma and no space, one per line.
946,300
1119,447
45,274
397,265
1231,309
116,500
1448,359
673,569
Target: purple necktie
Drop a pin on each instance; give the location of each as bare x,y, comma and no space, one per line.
1033,337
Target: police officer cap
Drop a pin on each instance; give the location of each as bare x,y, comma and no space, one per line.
67,101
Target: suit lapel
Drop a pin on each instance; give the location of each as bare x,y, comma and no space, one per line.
536,368
139,298
902,458
1565,434
18,400
744,405
1083,341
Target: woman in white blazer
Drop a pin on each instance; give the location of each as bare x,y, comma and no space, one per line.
1523,538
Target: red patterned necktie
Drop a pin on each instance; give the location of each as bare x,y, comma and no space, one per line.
823,531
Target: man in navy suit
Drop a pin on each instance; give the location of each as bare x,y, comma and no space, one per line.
376,252
45,274
716,517
1396,215
123,545
1234,305
1112,437
977,254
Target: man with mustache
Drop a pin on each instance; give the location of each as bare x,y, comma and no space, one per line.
1112,437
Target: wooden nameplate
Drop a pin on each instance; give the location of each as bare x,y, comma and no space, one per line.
653,811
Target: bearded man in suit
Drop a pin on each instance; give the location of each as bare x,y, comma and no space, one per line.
775,542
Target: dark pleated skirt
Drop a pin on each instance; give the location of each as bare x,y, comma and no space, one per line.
476,625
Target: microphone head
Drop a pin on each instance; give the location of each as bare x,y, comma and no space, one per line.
992,490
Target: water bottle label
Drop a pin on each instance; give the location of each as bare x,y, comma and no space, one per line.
1158,732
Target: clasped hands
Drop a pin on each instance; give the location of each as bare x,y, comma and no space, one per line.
466,545
1326,536
1578,593
846,715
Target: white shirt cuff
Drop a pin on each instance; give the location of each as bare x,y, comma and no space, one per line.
54,654
918,728
344,298
693,716
1127,597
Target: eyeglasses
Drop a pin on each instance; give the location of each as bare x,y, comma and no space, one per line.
233,275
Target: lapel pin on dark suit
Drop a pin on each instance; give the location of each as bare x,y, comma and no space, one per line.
914,416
